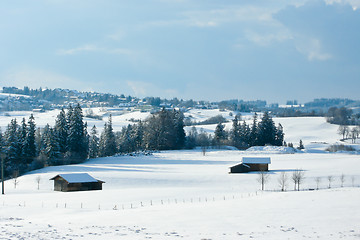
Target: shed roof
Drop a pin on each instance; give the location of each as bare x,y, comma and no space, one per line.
256,160
76,177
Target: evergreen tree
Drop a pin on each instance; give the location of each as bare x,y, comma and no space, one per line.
167,135
52,149
191,138
245,134
61,129
29,146
107,140
138,136
93,143
254,134
12,147
279,136
235,134
77,140
22,138
179,129
127,142
219,134
301,145
267,131
164,130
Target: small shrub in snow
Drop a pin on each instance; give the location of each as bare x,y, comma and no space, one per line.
340,147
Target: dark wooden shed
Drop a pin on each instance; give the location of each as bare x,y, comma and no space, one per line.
68,182
250,164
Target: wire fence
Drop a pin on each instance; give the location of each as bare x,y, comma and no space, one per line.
128,205
149,203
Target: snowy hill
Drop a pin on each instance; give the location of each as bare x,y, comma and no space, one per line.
183,194
315,132
186,195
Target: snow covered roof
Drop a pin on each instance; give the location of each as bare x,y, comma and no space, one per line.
256,160
76,177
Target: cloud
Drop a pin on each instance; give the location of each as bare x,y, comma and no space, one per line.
355,4
312,48
95,49
266,39
323,31
144,89
35,78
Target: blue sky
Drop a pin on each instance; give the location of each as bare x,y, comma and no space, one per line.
204,50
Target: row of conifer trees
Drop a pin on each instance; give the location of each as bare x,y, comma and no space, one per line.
25,147
241,135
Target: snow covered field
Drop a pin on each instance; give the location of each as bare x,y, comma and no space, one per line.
185,195
180,194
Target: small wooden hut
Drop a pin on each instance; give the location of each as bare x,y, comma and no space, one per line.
250,164
68,182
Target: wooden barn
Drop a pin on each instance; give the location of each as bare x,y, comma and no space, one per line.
250,164
68,182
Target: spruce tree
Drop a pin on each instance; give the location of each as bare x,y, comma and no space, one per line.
52,149
12,147
279,136
61,129
29,146
179,129
267,131
191,138
93,143
139,136
107,140
219,134
77,140
254,134
235,133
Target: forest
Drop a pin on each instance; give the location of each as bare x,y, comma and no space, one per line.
24,147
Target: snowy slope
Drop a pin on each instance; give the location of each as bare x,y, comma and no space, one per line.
183,194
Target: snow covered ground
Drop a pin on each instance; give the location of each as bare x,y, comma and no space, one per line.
185,195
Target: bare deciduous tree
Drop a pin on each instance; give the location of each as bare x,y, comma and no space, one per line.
330,180
283,181
298,178
343,130
263,178
317,180
15,179
38,179
354,134
203,150
342,179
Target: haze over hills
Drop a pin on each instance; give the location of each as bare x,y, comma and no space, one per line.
12,98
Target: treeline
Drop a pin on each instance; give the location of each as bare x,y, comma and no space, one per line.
342,116
241,135
25,147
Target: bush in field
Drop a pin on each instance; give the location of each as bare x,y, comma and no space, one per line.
340,147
